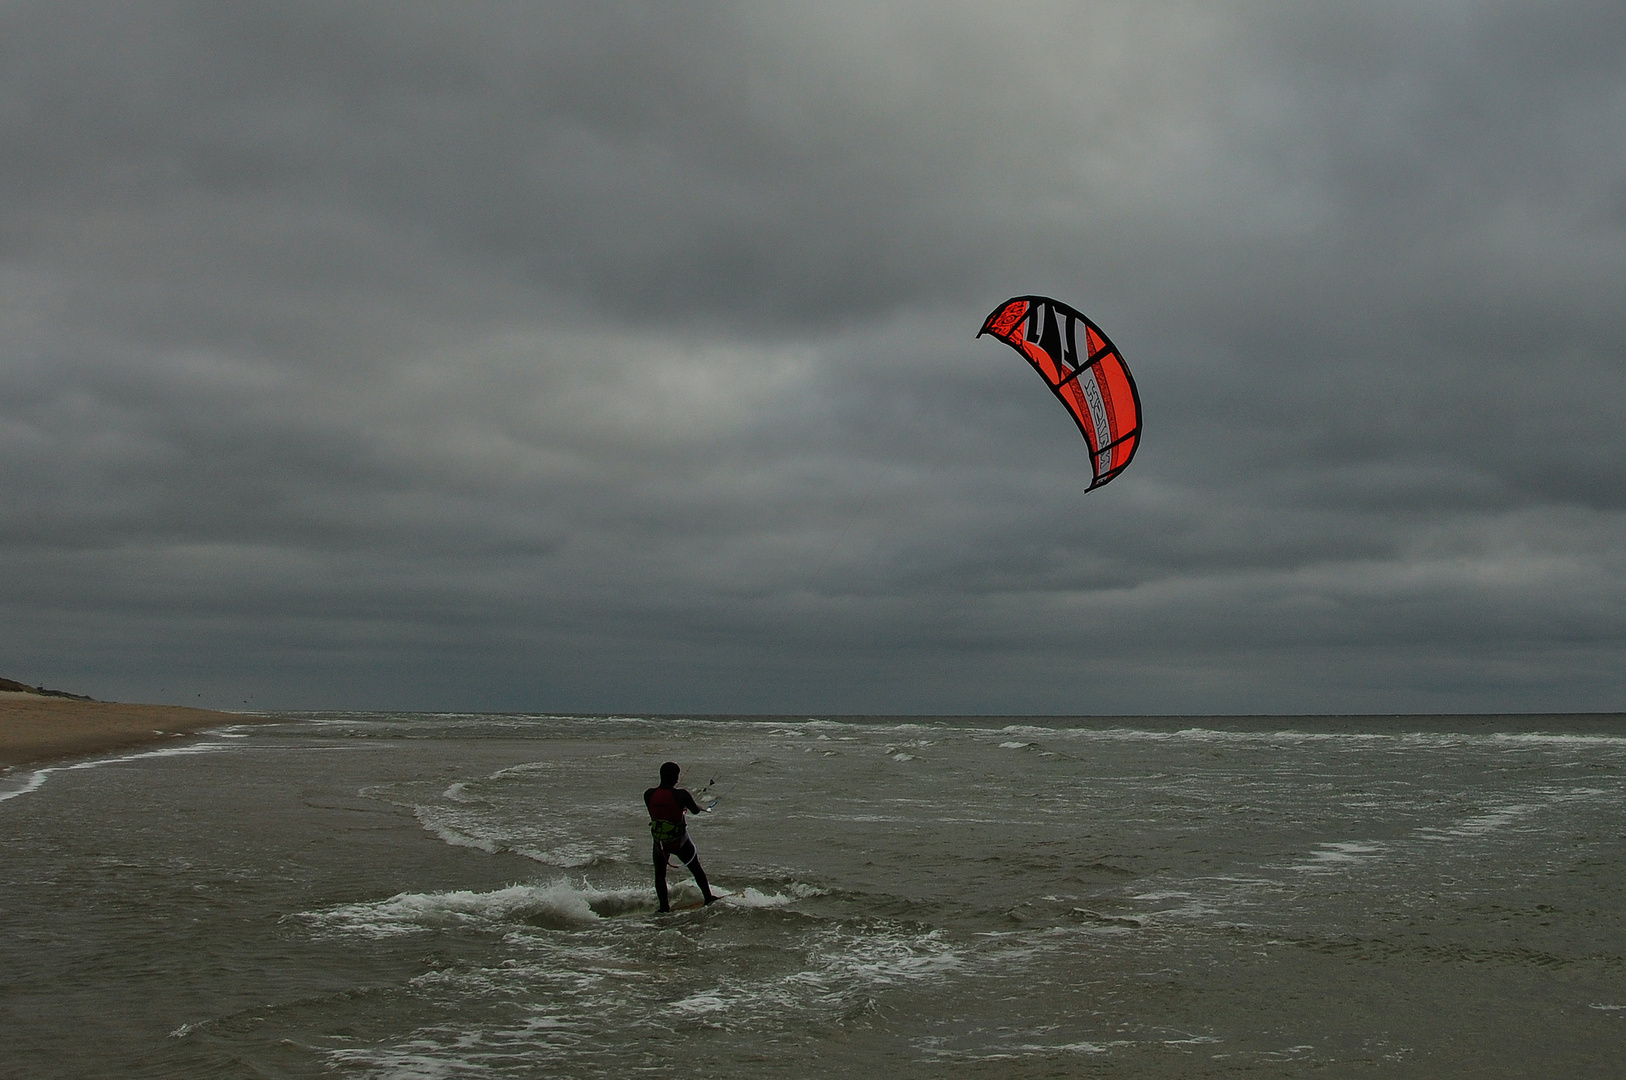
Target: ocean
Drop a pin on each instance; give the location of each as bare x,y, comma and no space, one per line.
425,896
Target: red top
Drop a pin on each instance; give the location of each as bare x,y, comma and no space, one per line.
670,804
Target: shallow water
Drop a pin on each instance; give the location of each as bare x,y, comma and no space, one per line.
440,896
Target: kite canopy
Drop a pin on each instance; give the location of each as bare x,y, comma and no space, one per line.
1094,385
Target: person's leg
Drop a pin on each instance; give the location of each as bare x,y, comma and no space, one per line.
700,880
691,859
660,877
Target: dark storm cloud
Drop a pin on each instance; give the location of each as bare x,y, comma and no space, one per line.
618,355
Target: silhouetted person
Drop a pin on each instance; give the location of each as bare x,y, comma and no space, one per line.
667,805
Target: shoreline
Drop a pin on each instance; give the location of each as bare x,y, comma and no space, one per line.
36,729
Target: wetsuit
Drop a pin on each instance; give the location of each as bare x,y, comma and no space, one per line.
667,805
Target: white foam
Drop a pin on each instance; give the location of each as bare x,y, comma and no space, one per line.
750,897
528,767
558,905
432,822
234,731
1341,853
1010,1051
1540,738
703,1002
468,824
1058,1048
418,1059
34,780
878,959
1291,737
573,856
1188,906
1479,824
11,787
593,987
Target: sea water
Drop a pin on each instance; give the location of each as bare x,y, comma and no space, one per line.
450,896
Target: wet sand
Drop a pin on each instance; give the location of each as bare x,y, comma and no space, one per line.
36,728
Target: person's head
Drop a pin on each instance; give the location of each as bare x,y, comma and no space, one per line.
669,773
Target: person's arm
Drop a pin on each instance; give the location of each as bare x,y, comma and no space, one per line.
686,801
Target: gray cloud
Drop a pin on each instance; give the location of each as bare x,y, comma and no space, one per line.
615,356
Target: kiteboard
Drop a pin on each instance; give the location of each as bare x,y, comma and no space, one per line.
696,905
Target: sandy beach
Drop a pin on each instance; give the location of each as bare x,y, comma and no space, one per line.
35,727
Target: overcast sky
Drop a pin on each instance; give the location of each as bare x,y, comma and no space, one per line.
619,355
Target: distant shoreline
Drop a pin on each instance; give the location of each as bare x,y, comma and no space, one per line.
36,728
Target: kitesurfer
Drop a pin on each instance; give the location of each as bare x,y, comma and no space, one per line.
667,804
